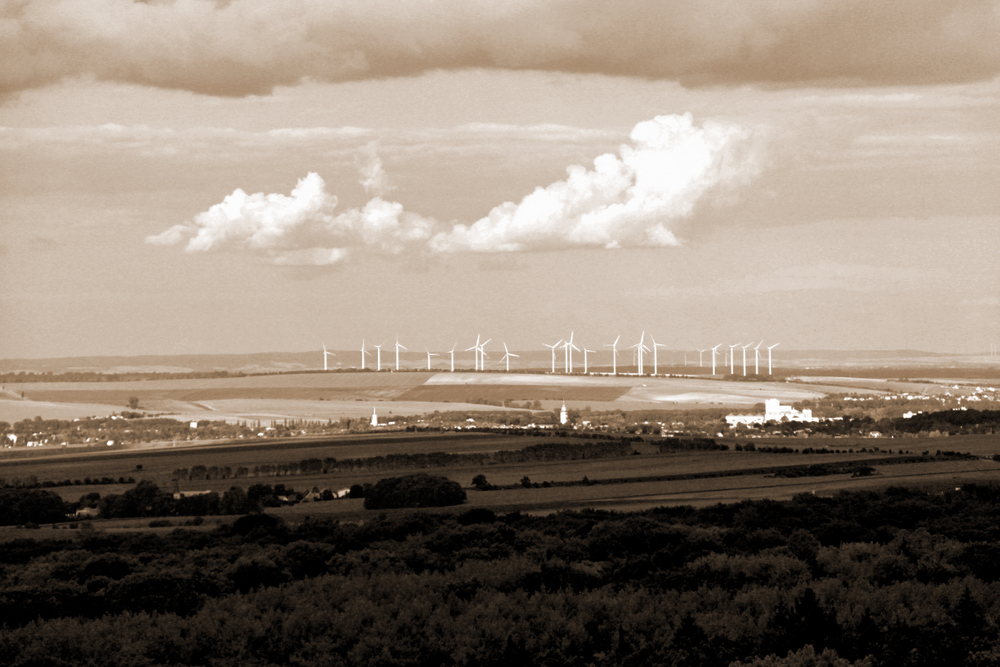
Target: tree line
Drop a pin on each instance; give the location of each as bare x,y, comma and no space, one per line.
548,451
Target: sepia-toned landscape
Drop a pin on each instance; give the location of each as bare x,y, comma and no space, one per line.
443,333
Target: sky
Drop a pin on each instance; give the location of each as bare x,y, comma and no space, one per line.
274,175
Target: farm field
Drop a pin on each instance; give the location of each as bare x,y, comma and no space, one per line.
514,392
267,411
158,463
933,476
351,394
699,492
311,386
14,411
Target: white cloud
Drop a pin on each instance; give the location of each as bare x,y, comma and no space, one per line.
300,229
626,200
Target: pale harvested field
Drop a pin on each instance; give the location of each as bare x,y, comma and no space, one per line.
15,411
513,392
663,392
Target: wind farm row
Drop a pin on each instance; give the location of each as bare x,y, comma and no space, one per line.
640,350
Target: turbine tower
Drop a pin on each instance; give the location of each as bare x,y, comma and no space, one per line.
569,347
482,354
745,358
398,348
429,355
714,352
639,348
585,351
699,358
452,353
378,356
507,354
475,350
553,348
732,358
325,355
363,353
614,355
756,358
656,345
769,357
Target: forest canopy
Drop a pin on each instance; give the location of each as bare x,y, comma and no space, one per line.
897,577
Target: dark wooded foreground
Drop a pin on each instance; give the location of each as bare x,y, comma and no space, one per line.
895,577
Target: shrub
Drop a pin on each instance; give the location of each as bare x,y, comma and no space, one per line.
419,490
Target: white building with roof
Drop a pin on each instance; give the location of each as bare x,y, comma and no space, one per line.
773,412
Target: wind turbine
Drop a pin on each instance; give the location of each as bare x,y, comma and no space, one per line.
363,353
452,353
475,350
745,357
769,356
655,345
639,348
699,358
714,352
378,356
553,348
325,355
732,358
482,354
429,355
756,358
507,354
398,347
585,351
614,355
569,347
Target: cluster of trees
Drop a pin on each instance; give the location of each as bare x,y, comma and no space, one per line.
952,422
19,507
671,445
898,578
413,491
943,422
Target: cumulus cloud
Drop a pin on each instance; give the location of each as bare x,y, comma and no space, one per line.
625,200
632,199
300,229
245,47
